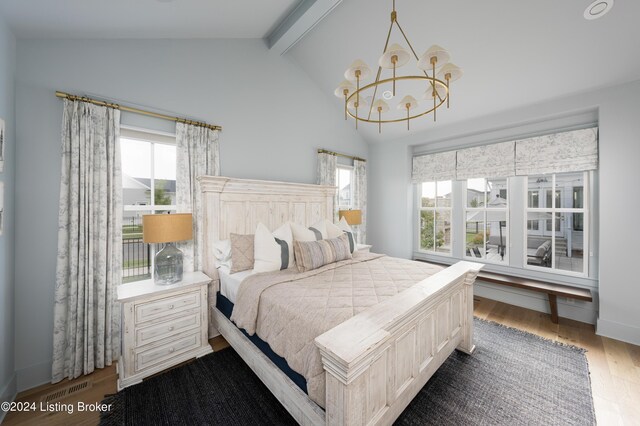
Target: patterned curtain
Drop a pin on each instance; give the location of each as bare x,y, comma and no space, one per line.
360,198
198,154
327,167
86,332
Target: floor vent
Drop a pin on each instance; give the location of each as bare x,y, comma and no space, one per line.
58,394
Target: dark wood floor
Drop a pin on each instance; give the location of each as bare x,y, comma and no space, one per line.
614,367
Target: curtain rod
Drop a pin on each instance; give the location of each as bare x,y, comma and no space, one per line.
137,110
337,154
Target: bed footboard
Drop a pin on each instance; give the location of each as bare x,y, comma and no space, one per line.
377,361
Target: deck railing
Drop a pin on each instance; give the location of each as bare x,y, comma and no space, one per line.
136,255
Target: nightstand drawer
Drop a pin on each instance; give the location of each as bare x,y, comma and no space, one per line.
166,350
189,320
167,306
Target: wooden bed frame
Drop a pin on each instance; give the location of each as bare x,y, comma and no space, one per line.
375,362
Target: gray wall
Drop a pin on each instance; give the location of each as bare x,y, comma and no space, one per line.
274,118
7,321
618,109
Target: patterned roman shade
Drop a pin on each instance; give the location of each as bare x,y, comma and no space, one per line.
495,160
440,166
573,151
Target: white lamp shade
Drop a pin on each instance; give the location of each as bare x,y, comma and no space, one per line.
407,100
380,106
434,51
357,65
362,103
455,72
394,50
345,85
441,90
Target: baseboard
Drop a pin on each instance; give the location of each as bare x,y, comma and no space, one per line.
8,394
35,375
578,311
618,331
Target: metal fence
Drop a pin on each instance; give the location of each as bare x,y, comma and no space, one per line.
136,255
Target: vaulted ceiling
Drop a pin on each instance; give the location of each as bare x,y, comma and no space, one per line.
514,53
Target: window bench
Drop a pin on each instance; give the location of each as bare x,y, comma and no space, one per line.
552,290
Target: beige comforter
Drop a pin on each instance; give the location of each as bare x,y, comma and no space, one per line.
288,309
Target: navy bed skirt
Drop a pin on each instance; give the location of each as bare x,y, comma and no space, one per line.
225,306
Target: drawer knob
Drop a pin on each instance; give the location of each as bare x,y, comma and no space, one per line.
171,328
170,306
171,350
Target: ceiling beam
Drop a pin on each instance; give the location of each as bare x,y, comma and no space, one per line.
298,23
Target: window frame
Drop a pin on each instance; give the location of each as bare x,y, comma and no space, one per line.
153,138
485,209
351,173
586,225
435,209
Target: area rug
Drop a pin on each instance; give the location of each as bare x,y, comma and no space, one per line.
513,378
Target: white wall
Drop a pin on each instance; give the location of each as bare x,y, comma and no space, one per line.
618,109
7,321
273,117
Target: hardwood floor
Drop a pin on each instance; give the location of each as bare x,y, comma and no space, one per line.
614,367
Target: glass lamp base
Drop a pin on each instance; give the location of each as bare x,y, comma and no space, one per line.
168,269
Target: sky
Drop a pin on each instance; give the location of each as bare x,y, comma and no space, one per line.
136,159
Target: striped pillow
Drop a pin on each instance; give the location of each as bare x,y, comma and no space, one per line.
314,254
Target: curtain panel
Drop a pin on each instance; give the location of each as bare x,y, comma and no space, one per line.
197,154
440,166
360,198
326,175
573,151
488,161
86,332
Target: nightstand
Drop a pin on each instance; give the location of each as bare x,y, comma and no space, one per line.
162,326
363,247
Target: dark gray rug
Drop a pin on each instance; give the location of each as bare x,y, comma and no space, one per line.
513,378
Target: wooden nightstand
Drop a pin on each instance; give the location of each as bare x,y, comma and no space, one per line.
162,325
363,247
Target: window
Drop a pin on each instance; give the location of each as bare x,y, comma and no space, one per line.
558,238
344,177
486,219
435,217
148,186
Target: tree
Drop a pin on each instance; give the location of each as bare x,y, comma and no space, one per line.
426,232
161,198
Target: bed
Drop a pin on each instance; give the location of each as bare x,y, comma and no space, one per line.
375,361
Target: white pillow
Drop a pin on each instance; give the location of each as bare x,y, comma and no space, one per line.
222,252
344,226
317,231
333,231
272,251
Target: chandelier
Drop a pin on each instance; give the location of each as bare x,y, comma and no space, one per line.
374,108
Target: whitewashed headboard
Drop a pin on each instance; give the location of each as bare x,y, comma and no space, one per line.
237,205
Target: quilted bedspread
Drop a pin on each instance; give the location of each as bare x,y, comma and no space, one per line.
288,309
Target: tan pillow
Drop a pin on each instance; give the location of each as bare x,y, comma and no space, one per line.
314,254
241,252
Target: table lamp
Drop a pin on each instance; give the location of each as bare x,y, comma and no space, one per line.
353,217
167,228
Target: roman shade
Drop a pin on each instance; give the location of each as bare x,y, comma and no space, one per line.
573,151
440,166
495,160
